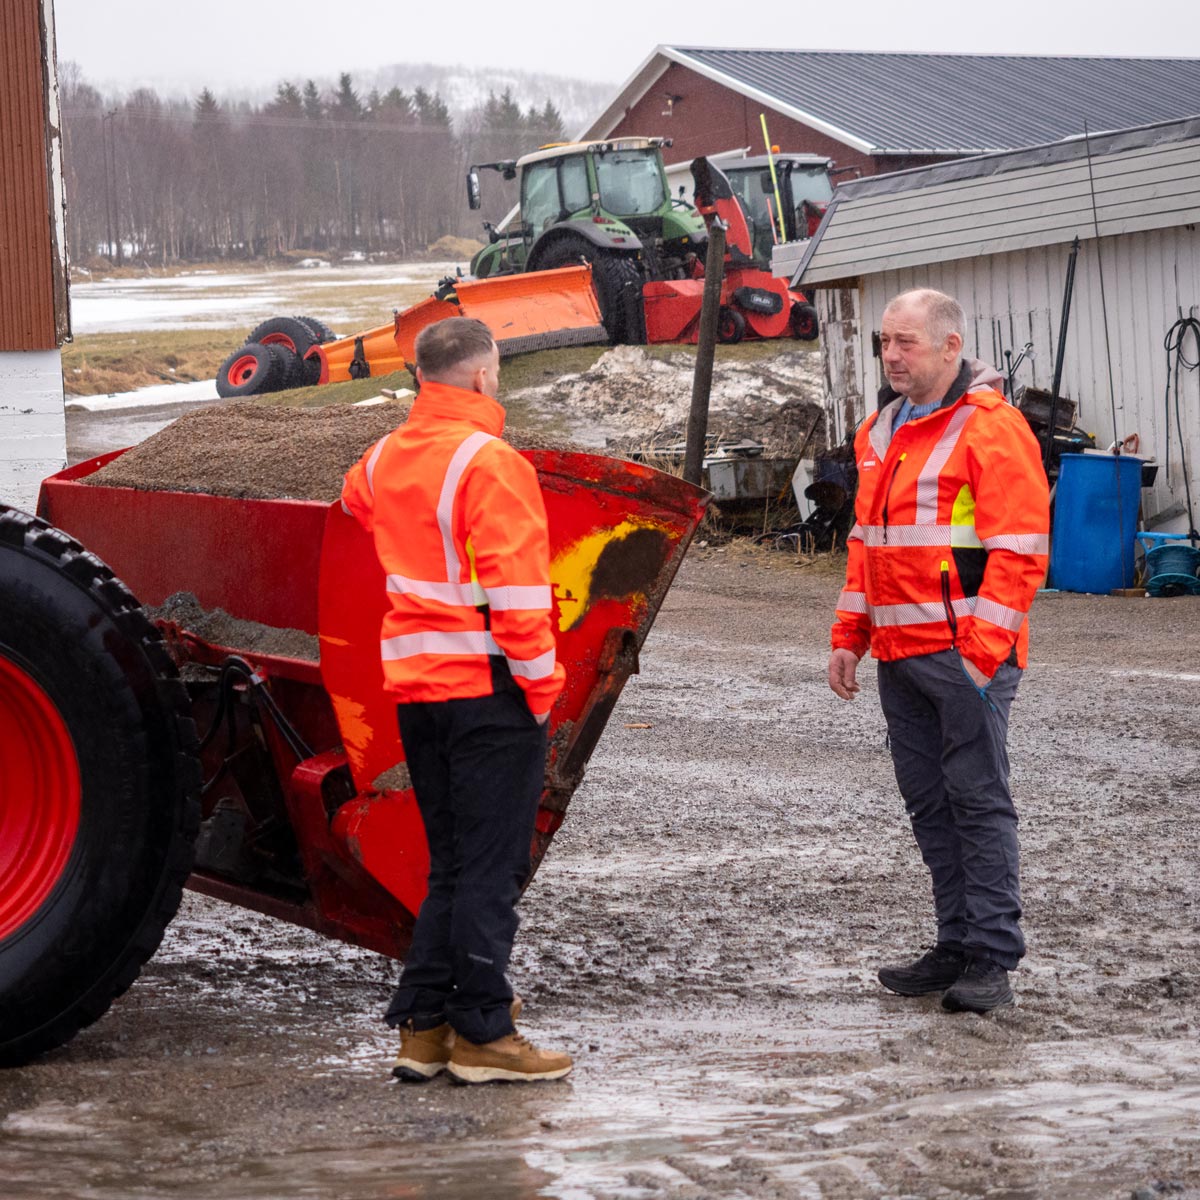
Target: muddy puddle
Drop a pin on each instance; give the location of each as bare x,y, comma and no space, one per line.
703,937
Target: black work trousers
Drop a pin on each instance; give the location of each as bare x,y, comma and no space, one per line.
949,751
477,768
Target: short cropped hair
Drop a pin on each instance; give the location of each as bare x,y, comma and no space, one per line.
447,344
943,314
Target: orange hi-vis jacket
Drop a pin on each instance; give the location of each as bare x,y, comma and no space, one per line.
460,530
952,528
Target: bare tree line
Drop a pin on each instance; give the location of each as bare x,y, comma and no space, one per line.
165,181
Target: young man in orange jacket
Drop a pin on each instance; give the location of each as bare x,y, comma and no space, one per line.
468,651
949,548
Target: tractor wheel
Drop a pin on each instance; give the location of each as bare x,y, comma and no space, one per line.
101,788
731,325
617,281
805,324
253,369
319,330
289,333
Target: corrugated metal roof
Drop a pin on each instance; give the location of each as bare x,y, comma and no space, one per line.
956,103
1122,182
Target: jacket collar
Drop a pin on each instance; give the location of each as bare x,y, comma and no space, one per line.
972,375
441,402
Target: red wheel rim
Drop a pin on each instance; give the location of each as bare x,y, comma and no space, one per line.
241,371
279,339
39,818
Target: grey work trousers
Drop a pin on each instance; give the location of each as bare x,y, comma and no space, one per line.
948,742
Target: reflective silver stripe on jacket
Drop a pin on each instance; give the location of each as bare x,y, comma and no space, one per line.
433,589
930,612
510,596
541,667
1019,543
409,645
996,613
852,602
373,460
459,461
855,534
960,536
475,642
931,470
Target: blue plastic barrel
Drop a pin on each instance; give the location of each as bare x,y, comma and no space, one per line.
1095,517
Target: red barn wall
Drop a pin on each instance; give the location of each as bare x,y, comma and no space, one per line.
710,118
32,298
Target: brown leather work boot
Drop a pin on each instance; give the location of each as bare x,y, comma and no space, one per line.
512,1058
423,1053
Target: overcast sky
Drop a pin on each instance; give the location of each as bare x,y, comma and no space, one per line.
240,43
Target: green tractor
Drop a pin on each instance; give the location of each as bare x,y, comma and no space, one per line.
605,203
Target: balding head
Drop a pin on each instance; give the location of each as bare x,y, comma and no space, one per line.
922,340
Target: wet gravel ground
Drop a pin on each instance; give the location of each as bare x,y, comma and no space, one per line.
703,936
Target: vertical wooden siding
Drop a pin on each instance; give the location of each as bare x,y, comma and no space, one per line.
30,267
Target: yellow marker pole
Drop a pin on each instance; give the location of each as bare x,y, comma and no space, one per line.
774,178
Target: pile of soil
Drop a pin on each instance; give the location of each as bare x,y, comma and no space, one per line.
252,451
217,626
640,400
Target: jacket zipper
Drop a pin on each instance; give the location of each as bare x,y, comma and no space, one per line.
887,495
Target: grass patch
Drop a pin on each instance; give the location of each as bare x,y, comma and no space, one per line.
99,363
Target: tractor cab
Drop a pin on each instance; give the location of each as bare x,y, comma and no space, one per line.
589,199
804,191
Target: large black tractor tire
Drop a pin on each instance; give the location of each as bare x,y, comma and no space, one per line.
291,333
255,369
101,780
617,281
319,330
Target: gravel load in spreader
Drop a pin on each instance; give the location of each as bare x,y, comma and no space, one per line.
251,451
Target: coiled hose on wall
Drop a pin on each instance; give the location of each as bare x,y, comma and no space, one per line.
1178,362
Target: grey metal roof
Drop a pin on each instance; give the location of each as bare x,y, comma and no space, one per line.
956,103
1115,183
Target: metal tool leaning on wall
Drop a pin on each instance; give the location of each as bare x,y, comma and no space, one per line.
949,548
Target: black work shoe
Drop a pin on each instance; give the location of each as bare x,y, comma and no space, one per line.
934,971
981,987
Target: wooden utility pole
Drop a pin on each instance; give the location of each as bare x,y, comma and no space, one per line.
710,306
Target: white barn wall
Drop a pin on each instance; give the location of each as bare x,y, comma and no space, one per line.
1149,278
33,441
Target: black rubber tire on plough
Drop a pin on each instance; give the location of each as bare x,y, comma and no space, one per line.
98,753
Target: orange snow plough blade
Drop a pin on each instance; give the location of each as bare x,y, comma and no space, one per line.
534,311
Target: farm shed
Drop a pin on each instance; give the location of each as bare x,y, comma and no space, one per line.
996,231
33,265
873,113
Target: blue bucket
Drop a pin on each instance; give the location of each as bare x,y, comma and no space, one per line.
1095,518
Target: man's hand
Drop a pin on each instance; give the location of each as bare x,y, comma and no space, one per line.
974,674
843,665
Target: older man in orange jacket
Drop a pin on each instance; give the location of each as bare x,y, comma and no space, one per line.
468,651
949,547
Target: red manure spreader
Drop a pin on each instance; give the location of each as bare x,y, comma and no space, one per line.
137,756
